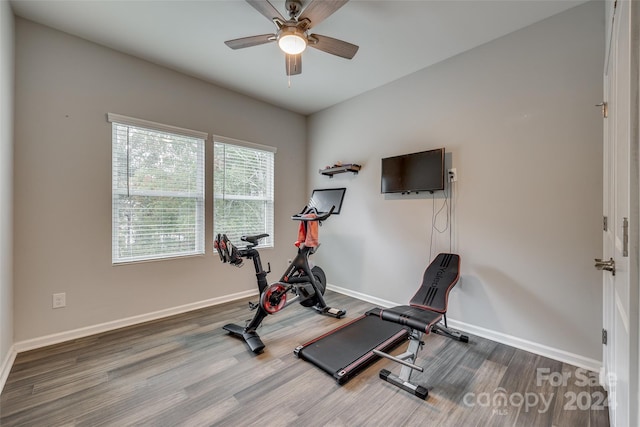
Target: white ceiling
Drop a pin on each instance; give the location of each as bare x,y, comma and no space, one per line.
396,38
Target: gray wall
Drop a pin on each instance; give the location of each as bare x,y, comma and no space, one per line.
518,121
65,86
6,181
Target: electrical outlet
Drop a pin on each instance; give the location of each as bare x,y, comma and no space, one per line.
453,175
59,300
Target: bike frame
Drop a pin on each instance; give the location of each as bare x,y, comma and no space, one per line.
299,263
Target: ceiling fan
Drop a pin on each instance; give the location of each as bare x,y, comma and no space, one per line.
293,34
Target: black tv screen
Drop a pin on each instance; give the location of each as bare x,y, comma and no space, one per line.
324,199
415,172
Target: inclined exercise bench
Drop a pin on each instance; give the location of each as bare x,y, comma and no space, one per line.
348,349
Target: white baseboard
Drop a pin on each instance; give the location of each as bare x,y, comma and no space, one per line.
363,297
6,365
530,346
129,321
522,344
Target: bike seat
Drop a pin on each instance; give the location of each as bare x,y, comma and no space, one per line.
254,239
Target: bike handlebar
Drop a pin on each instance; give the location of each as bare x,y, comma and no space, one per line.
320,216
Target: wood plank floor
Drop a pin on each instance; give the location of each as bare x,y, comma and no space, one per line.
186,371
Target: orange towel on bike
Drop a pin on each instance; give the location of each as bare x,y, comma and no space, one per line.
308,232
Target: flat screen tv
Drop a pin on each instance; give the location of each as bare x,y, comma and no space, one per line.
413,173
324,199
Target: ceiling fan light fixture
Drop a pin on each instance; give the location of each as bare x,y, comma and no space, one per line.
293,34
292,42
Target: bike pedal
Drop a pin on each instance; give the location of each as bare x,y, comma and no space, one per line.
253,306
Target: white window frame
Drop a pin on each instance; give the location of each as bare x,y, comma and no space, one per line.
197,194
267,198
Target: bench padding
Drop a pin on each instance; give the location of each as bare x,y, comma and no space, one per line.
439,278
413,317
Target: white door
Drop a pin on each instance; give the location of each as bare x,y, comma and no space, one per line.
620,280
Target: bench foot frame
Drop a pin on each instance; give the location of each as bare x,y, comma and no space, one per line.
408,359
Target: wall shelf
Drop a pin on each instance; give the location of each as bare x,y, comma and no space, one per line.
340,169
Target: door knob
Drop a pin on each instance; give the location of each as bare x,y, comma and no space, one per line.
609,265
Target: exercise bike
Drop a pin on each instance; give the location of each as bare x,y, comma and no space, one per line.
306,283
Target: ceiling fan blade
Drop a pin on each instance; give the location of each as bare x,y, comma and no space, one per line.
266,9
293,64
319,10
243,42
333,46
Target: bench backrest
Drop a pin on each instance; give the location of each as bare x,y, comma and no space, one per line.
439,278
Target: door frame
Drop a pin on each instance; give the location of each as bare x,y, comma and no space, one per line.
629,414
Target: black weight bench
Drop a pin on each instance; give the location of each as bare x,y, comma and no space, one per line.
350,348
423,315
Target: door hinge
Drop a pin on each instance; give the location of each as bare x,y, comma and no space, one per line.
609,265
604,336
605,109
625,237
605,223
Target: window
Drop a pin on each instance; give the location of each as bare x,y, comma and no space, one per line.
157,190
243,189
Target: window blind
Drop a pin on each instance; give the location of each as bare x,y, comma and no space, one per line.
243,190
157,191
